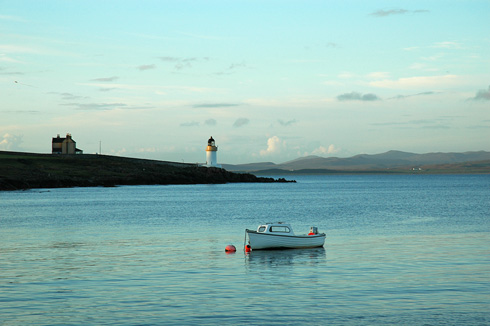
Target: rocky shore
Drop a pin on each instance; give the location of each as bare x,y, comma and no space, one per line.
28,170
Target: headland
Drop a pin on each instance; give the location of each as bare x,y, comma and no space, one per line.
19,170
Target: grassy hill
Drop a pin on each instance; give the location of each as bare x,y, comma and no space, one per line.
28,170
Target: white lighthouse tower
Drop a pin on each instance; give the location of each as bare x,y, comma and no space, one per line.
211,157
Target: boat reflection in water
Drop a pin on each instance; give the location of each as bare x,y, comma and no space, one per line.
285,257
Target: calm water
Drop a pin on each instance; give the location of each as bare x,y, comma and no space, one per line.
411,250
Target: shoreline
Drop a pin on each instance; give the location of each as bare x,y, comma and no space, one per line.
23,170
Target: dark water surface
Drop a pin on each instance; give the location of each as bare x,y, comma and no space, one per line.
411,250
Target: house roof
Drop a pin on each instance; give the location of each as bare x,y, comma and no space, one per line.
61,139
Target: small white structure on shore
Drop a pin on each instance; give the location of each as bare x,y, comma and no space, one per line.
211,154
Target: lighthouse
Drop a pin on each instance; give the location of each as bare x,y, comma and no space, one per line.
211,157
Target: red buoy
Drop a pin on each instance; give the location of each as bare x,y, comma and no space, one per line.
248,248
230,248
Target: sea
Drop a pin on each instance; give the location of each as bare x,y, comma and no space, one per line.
399,250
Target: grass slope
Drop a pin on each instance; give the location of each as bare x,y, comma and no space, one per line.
28,170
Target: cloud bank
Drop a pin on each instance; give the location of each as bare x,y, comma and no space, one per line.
401,97
146,67
240,122
386,13
210,122
215,105
190,124
286,123
183,62
482,95
105,106
106,79
355,96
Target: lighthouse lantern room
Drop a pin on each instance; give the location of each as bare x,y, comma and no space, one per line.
211,155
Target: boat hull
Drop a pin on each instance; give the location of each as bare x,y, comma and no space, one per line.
277,241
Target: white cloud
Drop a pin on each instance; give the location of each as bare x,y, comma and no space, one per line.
4,58
202,36
32,50
10,142
379,75
411,48
116,86
332,83
422,67
433,58
157,89
7,50
447,45
325,150
346,75
146,150
13,18
118,152
417,82
10,48
274,145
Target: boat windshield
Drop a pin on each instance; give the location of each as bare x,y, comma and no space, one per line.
282,229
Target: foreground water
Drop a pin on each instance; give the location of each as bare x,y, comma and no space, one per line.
412,250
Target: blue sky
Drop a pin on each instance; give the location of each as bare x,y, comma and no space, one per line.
269,80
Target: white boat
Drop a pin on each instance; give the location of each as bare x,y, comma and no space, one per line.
280,235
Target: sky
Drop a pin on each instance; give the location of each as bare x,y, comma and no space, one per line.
271,81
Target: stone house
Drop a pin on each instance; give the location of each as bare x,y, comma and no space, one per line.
66,145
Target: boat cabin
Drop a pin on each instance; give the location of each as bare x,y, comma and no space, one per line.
276,228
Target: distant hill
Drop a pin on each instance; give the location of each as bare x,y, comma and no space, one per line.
385,162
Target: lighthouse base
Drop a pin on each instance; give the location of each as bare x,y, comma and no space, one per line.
212,166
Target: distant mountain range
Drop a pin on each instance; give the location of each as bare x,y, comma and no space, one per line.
391,160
